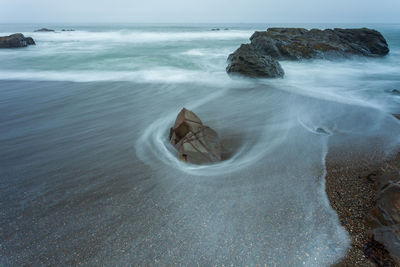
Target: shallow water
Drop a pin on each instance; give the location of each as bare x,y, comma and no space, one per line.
88,177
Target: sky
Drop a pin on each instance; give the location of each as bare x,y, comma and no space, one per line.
200,11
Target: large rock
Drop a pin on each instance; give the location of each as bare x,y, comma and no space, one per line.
15,40
258,59
249,62
385,217
195,142
299,43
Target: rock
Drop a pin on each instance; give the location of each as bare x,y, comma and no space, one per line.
299,43
385,217
378,254
397,116
195,142
45,30
226,29
67,30
249,62
216,29
395,92
15,40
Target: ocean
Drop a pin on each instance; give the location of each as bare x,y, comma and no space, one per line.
88,177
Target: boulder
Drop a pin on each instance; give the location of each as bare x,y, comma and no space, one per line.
385,217
195,142
299,43
44,30
15,40
250,62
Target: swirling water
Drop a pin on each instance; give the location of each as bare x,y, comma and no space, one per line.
87,175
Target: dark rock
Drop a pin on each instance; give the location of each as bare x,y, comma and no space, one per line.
44,30
378,254
195,142
299,43
385,217
15,40
226,29
395,92
321,130
67,30
397,116
216,29
250,62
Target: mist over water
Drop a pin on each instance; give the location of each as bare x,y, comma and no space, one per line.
88,175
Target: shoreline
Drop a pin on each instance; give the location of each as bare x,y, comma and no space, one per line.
352,194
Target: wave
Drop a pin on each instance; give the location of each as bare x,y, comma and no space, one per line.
138,36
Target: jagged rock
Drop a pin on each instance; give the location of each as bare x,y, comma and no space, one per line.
15,40
195,142
385,217
299,43
45,30
249,62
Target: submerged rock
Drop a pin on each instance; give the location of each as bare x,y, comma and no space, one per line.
67,30
195,142
44,30
15,40
249,62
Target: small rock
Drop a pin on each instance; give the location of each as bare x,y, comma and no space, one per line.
216,29
395,92
44,30
195,142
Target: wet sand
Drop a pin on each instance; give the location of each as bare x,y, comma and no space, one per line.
351,192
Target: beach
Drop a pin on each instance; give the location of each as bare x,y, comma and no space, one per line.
89,177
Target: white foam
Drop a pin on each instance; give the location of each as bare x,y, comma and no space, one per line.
138,36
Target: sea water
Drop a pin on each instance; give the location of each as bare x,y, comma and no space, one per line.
87,175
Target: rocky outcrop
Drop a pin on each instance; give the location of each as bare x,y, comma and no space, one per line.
195,142
299,43
45,30
249,62
385,217
15,40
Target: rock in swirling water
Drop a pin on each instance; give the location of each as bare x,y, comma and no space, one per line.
87,171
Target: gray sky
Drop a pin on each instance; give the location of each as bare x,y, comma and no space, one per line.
350,11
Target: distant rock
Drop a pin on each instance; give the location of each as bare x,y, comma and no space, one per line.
195,142
45,30
15,40
226,29
299,43
67,30
216,29
395,92
250,62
